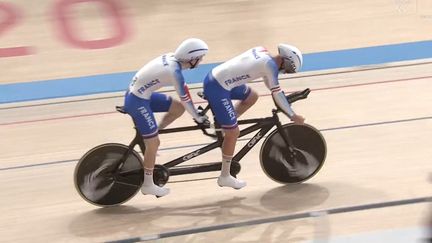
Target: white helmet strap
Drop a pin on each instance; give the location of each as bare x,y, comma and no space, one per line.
289,65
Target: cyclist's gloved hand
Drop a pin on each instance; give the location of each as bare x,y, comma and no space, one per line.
200,111
203,120
297,119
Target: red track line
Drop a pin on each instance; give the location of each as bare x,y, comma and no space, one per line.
365,84
200,102
377,82
57,118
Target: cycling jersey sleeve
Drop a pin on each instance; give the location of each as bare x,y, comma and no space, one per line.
272,83
183,92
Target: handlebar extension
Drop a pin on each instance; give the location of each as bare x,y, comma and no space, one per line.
299,95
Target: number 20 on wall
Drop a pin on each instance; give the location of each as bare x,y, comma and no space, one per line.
64,25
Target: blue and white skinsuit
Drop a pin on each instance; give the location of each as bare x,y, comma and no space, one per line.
141,100
228,80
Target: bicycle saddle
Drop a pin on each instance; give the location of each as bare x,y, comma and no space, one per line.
120,109
201,94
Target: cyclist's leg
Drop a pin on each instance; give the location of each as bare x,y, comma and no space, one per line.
219,100
145,122
247,97
164,103
148,187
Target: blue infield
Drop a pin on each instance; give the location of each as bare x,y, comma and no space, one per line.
57,88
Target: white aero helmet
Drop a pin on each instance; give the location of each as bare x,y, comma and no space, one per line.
191,49
293,58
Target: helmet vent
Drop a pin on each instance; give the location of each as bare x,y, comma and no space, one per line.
202,49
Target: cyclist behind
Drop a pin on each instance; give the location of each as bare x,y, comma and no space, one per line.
227,82
141,101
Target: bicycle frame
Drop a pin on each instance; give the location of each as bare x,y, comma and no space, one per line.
264,125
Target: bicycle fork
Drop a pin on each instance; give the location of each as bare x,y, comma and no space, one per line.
285,137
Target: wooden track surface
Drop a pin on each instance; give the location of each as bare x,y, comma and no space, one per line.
377,123
366,163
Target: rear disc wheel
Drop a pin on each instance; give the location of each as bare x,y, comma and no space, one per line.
101,180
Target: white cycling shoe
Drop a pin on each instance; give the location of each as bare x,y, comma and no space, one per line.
154,190
230,181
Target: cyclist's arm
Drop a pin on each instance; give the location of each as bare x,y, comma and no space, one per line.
272,83
183,92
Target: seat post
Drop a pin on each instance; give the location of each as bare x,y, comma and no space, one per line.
138,138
